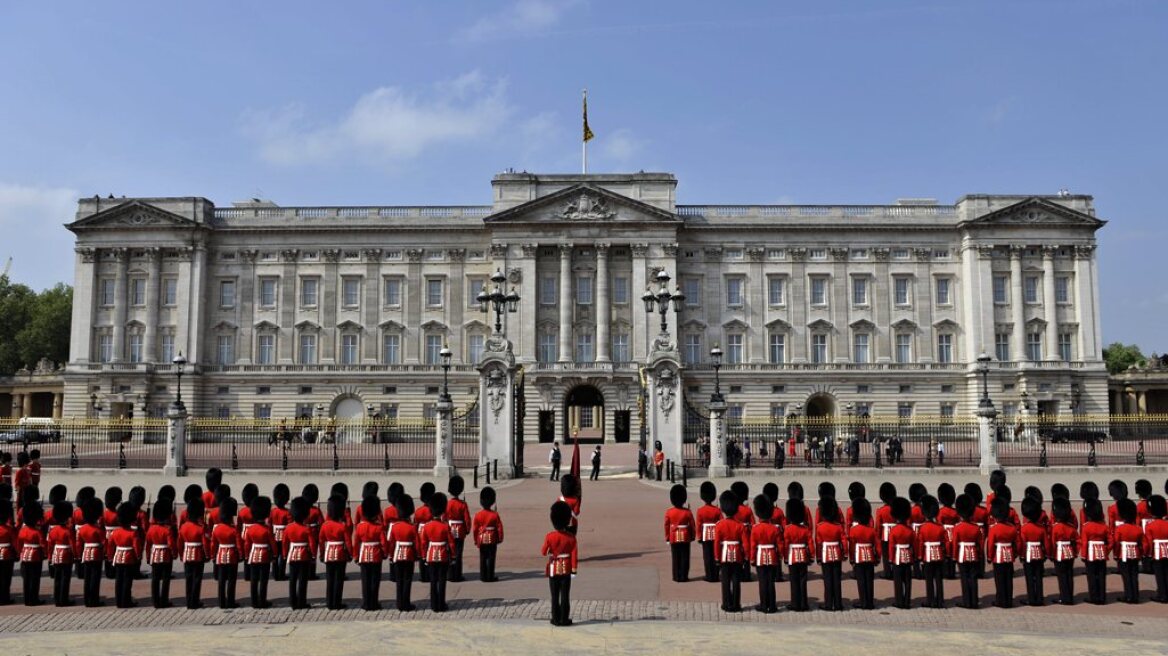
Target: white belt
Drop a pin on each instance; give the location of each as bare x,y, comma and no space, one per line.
929,552
1092,545
886,528
1124,548
829,545
966,547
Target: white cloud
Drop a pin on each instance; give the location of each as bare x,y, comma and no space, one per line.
621,147
524,17
31,219
388,124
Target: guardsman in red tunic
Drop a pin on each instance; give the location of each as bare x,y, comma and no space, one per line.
1060,491
570,494
1088,491
1118,490
731,546
314,520
279,519
342,490
488,534
8,552
1094,547
559,547
1002,544
437,549
403,550
60,546
124,548
244,519
370,547
259,550
109,520
335,552
1143,489
708,516
778,518
5,468
299,550
90,550
30,544
884,524
34,466
900,543
766,550
227,547
948,517
856,490
1064,546
981,517
864,552
916,492
1034,549
458,519
831,541
213,478
392,492
422,515
194,549
931,546
1129,541
160,549
22,479
798,551
1156,535
680,530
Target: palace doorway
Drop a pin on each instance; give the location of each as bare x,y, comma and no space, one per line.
584,411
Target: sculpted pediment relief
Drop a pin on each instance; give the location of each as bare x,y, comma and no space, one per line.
1036,212
583,203
133,214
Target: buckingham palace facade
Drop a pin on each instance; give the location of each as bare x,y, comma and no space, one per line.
881,309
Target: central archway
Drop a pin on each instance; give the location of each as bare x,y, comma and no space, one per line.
584,409
820,410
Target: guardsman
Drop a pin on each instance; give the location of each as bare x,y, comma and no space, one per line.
313,521
900,543
370,545
259,551
731,544
160,550
981,517
458,519
916,492
5,468
798,551
8,552
392,492
706,518
1129,541
559,547
280,518
1060,491
1157,538
488,534
113,497
299,552
884,524
1094,547
1034,540
570,494
947,517
227,546
422,515
335,551
1088,491
856,490
80,501
22,478
1143,490
1117,489
61,550
30,544
244,519
778,518
864,552
932,543
90,550
124,548
831,550
438,550
679,532
1064,547
403,549
1002,548
213,478
766,550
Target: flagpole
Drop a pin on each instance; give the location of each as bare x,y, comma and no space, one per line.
584,144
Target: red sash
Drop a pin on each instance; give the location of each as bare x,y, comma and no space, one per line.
62,555
259,554
193,552
864,553
90,552
1003,553
369,552
708,532
796,554
457,529
1063,550
159,554
437,552
933,552
278,532
487,535
1129,551
902,555
678,534
124,555
334,551
227,554
559,565
731,551
830,552
1035,551
403,551
886,530
1159,549
29,553
967,552
1096,550
765,555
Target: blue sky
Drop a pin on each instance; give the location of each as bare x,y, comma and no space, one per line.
421,102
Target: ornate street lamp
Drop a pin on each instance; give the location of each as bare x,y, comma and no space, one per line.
93,403
319,410
716,360
180,364
983,368
660,301
499,298
445,354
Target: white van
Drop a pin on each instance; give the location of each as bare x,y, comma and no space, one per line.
33,430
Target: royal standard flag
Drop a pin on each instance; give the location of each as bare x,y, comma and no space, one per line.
587,131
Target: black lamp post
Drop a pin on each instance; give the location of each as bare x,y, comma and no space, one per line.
983,368
93,403
180,363
499,298
660,300
445,354
716,360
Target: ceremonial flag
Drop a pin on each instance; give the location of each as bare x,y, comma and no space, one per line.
587,131
575,469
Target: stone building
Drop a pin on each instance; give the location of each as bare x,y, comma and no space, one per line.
819,309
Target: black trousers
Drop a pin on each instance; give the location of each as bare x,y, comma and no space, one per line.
595,473
902,585
711,566
438,575
124,576
370,586
404,576
798,576
193,573
1004,585
865,584
680,552
334,585
969,574
833,586
731,586
1064,571
228,575
298,573
6,582
561,588
91,586
62,575
887,561
934,584
1129,572
160,584
423,571
950,568
766,588
1033,572
659,468
279,564
487,554
1097,581
455,569
555,471
30,575
258,582
1160,571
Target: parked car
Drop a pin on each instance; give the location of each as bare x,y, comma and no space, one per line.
32,430
1056,435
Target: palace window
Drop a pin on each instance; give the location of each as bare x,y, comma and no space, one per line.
945,348
900,290
268,292
307,349
904,410
170,292
225,351
166,345
547,290
106,292
944,286
349,349
692,288
1034,346
433,349
137,291
1062,289
584,347
734,292
819,348
1000,286
393,288
584,290
350,292
859,291
620,290
775,291
308,291
266,349
903,348
734,346
1030,290
135,344
778,348
434,292
692,350
818,290
548,349
1002,347
1064,347
226,293
391,348
860,350
620,347
474,347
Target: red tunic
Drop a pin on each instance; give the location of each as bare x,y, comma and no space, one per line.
403,542
209,501
832,543
458,518
900,545
708,517
731,541
574,504
1002,543
59,544
259,545
798,545
30,544
560,549
436,541
1129,542
745,517
226,547
6,474
124,547
279,519
335,545
22,480
299,543
931,543
90,544
8,550
193,542
865,548
34,472
766,544
1064,541
679,526
1033,542
389,516
1094,541
884,522
779,518
369,542
160,546
947,517
1156,535
488,528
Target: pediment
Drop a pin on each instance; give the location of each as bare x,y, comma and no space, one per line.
1036,211
946,324
134,214
434,325
821,326
266,325
584,203
694,324
778,325
904,326
862,326
349,324
390,324
306,325
735,325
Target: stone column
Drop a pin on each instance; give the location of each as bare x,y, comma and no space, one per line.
497,372
197,308
26,409
153,282
17,405
413,302
718,467
1017,305
290,300
245,346
986,439
371,308
881,304
565,303
444,440
326,342
1049,306
1084,314
603,309
756,309
666,411
640,337
176,441
523,329
121,303
58,404
84,304
798,348
1132,407
1141,402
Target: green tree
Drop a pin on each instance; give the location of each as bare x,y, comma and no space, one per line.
16,303
1120,356
32,325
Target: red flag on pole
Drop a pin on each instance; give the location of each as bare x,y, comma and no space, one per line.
575,469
